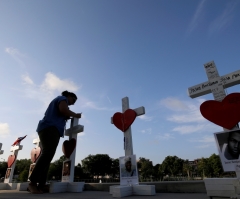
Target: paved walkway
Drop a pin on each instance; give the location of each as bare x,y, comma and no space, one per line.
12,194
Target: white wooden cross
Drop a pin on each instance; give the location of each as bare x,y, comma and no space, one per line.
128,145
72,132
136,189
216,85
37,142
1,151
15,150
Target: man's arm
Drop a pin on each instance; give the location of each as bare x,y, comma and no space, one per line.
63,108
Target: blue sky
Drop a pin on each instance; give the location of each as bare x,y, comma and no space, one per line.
150,51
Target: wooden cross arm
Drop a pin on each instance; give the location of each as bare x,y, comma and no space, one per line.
204,88
35,141
74,130
18,147
139,111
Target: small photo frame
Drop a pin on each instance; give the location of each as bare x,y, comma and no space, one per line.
66,171
228,144
8,173
32,166
128,170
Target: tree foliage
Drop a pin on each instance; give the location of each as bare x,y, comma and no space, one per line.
55,169
3,168
115,168
97,165
210,167
145,167
172,165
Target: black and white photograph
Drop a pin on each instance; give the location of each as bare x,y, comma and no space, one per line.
128,170
228,144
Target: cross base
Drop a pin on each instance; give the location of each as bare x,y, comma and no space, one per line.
14,186
123,191
58,187
224,187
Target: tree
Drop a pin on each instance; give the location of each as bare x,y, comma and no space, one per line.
172,165
97,165
215,165
115,170
187,168
203,167
145,167
3,169
23,176
21,165
161,171
55,169
158,172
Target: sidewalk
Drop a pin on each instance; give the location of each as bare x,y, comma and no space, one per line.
12,194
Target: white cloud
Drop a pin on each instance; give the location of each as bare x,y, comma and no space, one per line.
192,116
27,79
165,136
109,100
145,118
85,103
93,105
196,18
16,55
51,86
52,82
173,104
222,21
81,134
203,146
188,111
33,135
187,129
205,139
4,129
147,131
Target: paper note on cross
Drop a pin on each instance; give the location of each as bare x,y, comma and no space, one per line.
128,146
12,160
69,150
1,151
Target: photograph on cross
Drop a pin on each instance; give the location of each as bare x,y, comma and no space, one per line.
228,144
128,170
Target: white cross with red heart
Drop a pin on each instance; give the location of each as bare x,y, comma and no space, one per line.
123,122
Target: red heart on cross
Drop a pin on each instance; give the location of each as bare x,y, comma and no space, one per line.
11,160
124,120
68,147
225,114
35,153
